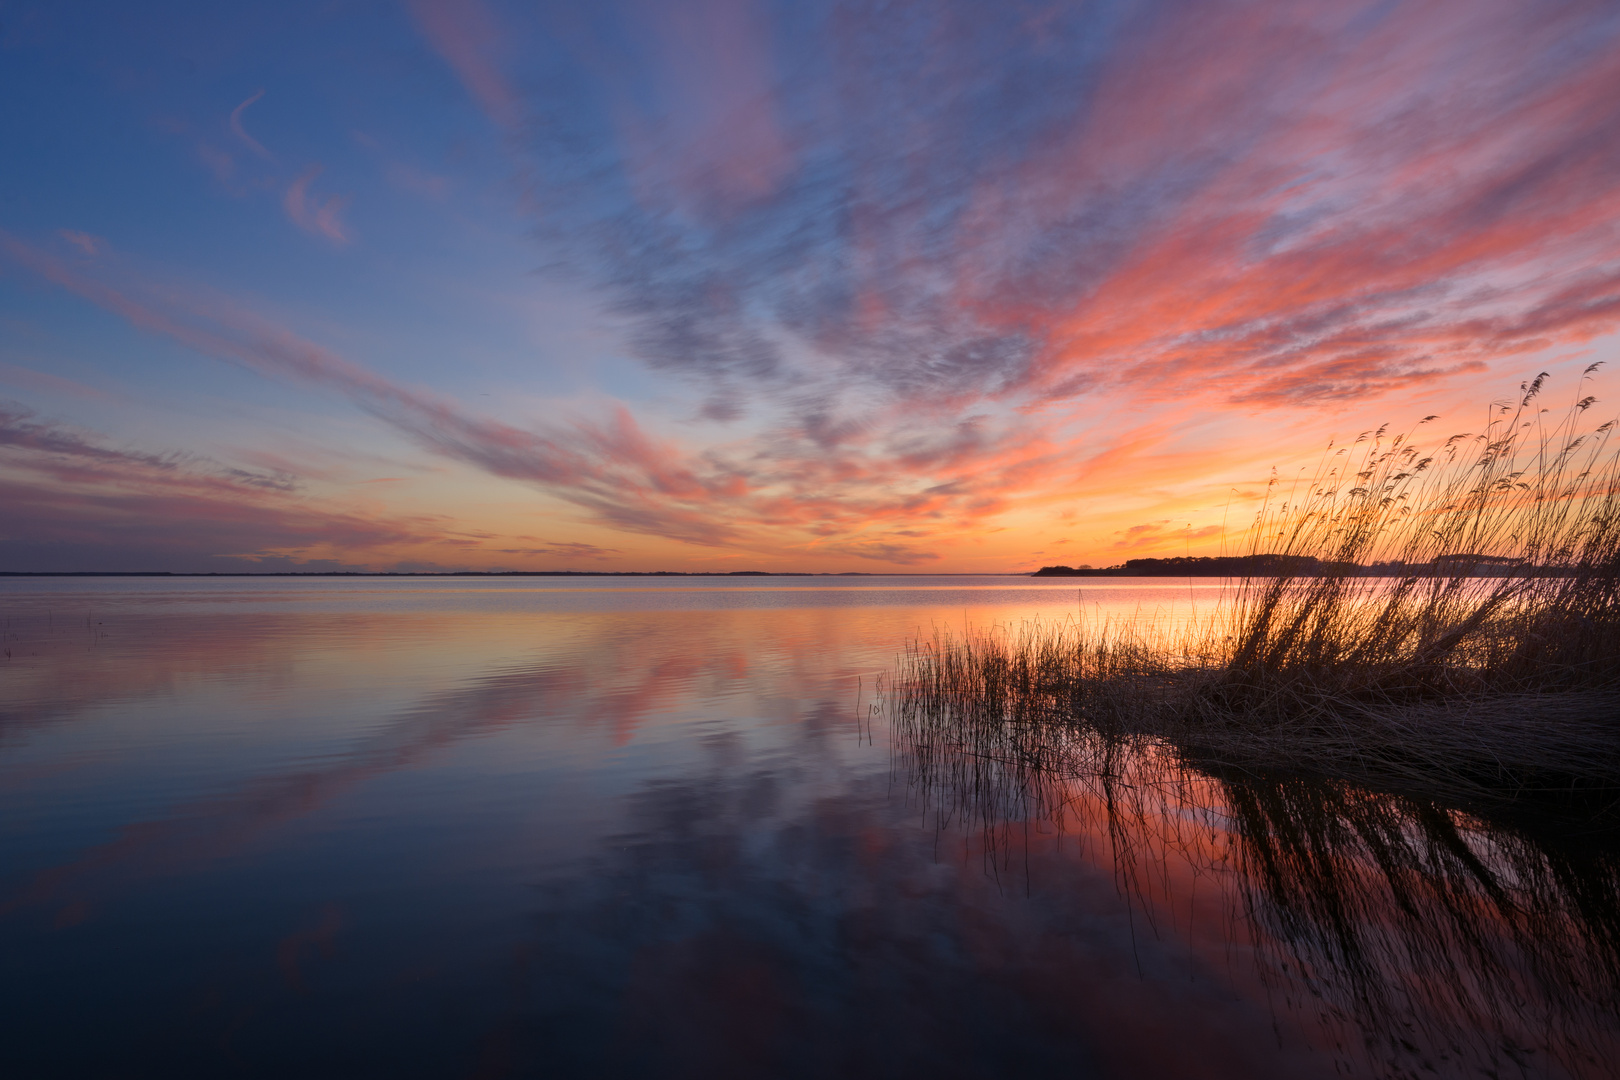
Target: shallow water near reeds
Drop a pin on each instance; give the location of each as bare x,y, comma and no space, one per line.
676,827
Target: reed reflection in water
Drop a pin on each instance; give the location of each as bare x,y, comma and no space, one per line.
1416,938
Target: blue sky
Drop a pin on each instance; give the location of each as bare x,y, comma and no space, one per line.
812,286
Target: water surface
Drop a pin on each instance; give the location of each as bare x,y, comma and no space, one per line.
638,827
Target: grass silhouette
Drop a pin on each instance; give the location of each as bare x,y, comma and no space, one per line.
1461,639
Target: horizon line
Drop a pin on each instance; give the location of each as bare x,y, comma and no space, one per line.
508,573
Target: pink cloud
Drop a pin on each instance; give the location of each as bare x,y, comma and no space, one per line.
312,213
90,245
69,494
417,182
466,35
241,132
628,479
715,141
219,162
40,381
899,486
1369,235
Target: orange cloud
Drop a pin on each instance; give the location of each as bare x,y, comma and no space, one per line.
1161,534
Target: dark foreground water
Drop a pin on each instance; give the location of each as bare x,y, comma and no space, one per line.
666,828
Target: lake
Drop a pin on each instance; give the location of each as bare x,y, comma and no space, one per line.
482,827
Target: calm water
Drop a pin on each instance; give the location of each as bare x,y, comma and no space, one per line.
665,828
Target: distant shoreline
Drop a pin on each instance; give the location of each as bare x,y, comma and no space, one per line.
1298,566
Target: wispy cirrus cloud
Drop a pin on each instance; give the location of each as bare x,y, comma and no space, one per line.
29,378
22,430
1267,205
74,500
466,34
805,480
240,131
897,553
571,549
901,274
317,214
90,245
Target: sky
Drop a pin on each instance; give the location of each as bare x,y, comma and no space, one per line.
721,285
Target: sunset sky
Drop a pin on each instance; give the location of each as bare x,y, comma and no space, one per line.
719,285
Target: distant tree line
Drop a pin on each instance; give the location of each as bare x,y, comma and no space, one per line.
1282,566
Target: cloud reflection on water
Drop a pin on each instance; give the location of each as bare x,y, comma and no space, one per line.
503,831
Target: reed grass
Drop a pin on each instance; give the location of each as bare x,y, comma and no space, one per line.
1462,637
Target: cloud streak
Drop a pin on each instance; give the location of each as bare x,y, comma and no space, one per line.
465,33
313,213
240,131
1275,205
73,500
902,275
839,491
